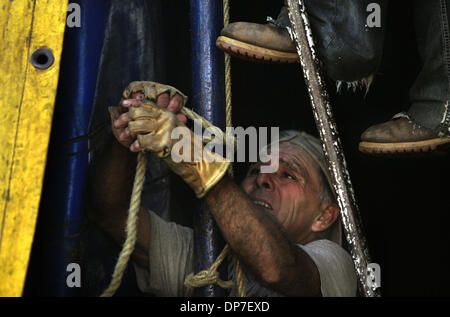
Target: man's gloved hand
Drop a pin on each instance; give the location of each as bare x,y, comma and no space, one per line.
134,95
146,122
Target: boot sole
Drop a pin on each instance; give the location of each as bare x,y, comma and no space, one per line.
404,147
254,53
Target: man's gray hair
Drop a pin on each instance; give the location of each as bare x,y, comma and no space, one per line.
312,146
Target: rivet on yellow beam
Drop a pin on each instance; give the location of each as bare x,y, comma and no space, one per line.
27,102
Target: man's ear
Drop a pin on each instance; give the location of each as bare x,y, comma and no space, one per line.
330,213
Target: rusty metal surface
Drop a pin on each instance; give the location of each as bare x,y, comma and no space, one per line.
327,128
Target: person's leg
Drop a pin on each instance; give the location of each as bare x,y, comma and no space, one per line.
430,93
349,49
426,125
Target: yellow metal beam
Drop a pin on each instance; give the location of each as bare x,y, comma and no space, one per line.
26,101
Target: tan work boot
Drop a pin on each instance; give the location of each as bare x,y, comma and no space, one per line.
261,42
400,135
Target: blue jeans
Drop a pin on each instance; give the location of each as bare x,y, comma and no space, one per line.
429,94
350,51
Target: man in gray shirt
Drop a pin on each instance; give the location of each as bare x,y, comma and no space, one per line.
283,226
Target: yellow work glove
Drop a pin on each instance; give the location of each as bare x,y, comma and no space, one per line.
152,125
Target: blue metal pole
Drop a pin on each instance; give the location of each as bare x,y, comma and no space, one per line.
209,101
66,173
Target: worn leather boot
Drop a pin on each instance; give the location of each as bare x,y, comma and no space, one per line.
400,135
260,42
349,50
426,125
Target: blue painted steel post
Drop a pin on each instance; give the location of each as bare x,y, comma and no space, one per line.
62,202
208,99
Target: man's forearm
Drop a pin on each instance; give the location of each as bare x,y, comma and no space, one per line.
261,242
111,178
110,185
251,233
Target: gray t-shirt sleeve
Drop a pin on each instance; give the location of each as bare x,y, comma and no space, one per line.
335,266
170,259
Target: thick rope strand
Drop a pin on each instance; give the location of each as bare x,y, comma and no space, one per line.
210,276
228,107
190,114
239,277
128,246
229,123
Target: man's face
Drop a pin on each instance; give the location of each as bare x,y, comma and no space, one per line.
290,194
